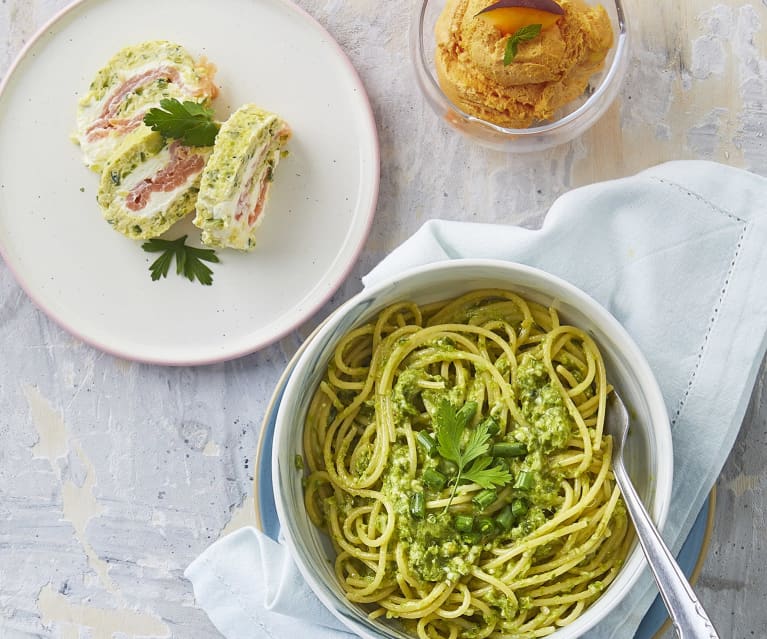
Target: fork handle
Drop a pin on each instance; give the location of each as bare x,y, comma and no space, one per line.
687,614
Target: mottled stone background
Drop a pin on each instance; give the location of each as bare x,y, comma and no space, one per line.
115,475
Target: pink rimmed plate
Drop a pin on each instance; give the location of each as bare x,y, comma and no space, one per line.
95,282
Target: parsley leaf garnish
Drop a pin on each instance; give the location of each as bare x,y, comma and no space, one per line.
481,473
450,425
471,458
189,122
189,260
523,34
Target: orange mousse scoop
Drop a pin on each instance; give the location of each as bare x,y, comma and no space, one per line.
509,16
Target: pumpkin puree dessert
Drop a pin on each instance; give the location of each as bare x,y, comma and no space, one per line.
516,62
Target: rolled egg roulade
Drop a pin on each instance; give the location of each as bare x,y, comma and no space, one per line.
150,183
235,182
134,80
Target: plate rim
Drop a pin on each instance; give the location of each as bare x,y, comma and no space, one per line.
301,316
271,406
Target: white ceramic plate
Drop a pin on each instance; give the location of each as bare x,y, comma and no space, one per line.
94,281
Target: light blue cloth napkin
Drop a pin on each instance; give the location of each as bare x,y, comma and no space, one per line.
678,254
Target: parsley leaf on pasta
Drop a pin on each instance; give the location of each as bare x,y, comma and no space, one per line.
481,473
477,445
450,425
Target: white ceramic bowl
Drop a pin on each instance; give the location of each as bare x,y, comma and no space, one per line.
570,121
650,462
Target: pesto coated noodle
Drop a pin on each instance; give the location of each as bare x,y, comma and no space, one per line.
456,459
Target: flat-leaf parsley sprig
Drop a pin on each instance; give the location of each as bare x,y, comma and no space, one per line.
189,260
471,457
190,122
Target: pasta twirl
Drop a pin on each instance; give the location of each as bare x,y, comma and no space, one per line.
456,459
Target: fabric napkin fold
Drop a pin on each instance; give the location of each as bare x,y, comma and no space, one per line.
678,254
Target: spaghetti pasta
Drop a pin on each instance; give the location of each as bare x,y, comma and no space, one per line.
456,459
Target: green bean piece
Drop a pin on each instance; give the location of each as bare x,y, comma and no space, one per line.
484,498
509,449
464,523
434,479
525,480
417,506
448,468
505,518
471,537
466,412
486,525
518,508
427,443
492,426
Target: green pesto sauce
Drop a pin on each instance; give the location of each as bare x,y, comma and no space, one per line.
436,550
550,424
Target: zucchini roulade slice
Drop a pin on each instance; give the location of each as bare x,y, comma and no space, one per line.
235,183
133,81
150,183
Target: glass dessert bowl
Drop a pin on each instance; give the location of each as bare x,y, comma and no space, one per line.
469,99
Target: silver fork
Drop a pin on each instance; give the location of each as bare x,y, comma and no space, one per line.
687,614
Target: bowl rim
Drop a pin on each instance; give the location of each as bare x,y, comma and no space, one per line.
323,340
433,91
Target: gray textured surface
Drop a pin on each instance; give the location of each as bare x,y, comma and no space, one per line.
115,475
